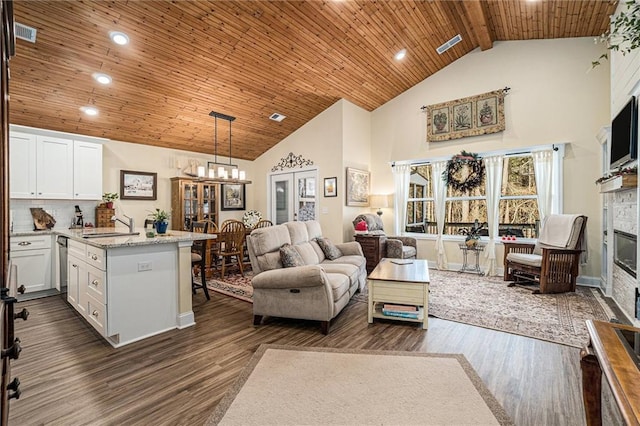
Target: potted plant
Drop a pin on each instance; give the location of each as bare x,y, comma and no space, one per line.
160,220
108,198
473,233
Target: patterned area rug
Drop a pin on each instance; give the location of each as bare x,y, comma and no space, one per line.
488,302
234,285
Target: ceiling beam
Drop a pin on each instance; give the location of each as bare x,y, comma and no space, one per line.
479,23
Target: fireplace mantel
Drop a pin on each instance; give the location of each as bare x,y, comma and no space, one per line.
619,183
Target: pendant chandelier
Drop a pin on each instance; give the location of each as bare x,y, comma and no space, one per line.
222,173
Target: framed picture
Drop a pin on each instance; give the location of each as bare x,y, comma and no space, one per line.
138,185
232,197
331,187
472,116
358,182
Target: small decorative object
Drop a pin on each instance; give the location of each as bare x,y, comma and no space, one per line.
138,185
251,217
624,33
358,187
470,116
473,233
465,171
108,198
41,219
160,220
626,171
331,187
362,227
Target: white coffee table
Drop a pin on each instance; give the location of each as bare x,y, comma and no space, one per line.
406,284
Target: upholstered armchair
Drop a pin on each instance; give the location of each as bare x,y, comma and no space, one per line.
396,247
553,262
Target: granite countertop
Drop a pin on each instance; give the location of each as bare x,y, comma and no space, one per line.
131,240
31,232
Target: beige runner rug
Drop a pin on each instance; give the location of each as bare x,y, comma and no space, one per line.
288,385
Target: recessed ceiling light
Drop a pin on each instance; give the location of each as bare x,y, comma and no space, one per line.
89,110
119,38
401,54
102,78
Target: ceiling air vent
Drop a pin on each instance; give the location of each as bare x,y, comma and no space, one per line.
277,117
448,45
25,33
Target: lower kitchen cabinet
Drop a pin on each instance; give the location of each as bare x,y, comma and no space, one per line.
32,256
87,284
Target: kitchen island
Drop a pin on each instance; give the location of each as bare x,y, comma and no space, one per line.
131,287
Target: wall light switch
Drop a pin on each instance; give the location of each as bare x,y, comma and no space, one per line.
144,266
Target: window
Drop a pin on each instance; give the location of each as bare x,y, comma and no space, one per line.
421,215
518,204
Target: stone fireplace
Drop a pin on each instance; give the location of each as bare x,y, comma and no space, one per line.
624,209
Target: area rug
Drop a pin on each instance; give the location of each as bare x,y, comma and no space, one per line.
234,285
488,302
288,385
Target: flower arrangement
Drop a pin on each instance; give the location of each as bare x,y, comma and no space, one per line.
473,233
108,197
459,181
624,33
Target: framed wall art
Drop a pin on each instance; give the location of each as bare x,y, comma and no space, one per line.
331,187
138,185
358,187
233,196
472,116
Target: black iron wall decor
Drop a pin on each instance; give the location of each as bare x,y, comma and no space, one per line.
291,162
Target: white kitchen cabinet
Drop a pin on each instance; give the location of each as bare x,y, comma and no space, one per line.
48,167
87,287
32,255
87,171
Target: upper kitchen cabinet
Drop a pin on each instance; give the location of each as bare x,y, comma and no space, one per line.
49,167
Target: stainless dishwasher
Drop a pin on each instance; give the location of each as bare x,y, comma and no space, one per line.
62,258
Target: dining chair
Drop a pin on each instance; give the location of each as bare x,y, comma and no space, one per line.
198,258
231,239
262,223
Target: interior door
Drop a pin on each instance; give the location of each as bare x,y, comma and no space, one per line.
293,196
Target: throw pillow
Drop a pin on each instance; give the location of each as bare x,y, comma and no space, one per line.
331,252
290,257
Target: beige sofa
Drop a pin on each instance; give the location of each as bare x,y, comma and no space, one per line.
317,290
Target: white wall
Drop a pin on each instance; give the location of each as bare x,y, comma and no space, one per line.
552,99
337,137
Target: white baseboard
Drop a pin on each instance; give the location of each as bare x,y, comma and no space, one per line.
186,319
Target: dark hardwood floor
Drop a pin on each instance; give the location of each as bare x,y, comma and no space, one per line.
70,376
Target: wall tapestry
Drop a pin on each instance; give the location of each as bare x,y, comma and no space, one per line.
472,116
357,187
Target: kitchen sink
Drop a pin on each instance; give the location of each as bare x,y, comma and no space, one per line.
109,234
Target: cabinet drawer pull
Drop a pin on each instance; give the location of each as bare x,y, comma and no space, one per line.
95,313
94,257
95,282
24,243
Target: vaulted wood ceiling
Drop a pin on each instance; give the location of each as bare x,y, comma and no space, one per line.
249,59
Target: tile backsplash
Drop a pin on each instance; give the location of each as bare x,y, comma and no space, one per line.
63,211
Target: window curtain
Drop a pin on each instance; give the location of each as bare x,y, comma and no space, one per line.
543,168
493,188
401,175
439,187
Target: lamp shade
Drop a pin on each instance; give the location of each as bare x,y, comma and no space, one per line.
379,201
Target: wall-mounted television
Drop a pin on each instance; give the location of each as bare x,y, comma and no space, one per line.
624,135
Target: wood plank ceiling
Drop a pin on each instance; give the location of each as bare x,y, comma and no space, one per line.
249,59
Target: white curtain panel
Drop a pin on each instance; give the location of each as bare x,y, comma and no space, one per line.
401,175
543,169
439,187
493,185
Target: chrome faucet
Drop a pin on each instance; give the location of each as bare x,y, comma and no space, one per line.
131,223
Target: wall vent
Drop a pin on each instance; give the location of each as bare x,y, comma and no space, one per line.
448,45
25,33
277,117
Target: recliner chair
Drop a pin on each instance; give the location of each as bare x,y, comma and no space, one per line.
396,247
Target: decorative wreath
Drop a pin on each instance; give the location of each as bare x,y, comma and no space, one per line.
251,217
474,176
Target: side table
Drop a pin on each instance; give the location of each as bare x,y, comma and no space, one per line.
373,249
465,258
